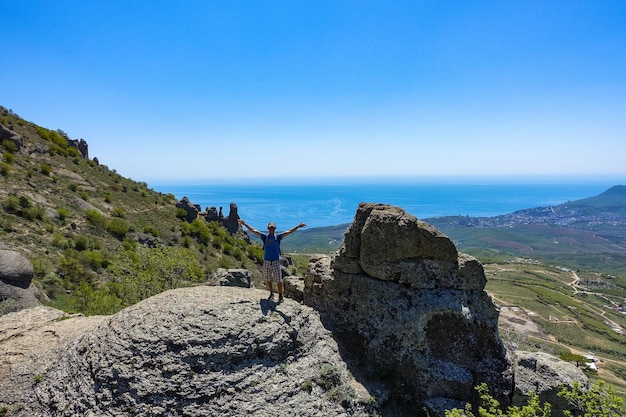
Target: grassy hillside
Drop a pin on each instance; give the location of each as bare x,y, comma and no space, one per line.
322,240
571,247
557,310
99,241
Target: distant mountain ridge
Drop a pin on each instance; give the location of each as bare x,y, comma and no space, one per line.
591,214
589,233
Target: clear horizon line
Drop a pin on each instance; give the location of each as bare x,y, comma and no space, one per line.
612,179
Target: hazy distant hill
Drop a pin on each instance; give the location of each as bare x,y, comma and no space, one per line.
588,233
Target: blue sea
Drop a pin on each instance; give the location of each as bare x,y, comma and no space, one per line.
333,202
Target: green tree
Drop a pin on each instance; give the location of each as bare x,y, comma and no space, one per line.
598,401
572,357
149,271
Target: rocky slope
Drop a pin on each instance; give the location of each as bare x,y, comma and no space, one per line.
195,352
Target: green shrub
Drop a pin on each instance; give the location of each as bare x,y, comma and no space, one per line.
91,301
45,169
151,230
129,245
72,186
60,241
57,150
96,218
5,169
228,249
63,213
7,226
12,205
598,401
23,207
81,243
118,228
119,212
149,271
8,157
9,305
93,259
181,213
70,268
329,377
33,213
9,145
224,262
25,202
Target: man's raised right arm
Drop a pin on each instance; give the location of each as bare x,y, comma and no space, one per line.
250,228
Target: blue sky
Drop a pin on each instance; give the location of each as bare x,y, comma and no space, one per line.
195,90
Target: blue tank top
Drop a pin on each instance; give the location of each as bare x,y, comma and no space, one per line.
271,246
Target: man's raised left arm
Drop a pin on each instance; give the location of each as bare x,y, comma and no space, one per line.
293,229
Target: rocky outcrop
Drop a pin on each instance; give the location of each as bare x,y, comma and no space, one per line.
543,374
191,209
405,303
15,269
7,133
81,145
201,351
16,288
32,341
231,222
232,278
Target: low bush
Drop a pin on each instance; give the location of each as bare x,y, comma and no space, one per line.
45,169
62,213
118,228
599,401
96,218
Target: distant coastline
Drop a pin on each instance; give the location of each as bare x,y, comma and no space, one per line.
331,203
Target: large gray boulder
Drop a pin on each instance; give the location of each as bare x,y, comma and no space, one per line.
544,374
232,278
202,351
16,288
406,304
15,269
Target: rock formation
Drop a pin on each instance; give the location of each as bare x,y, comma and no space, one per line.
81,145
16,288
230,222
404,302
543,374
7,133
201,351
191,209
232,278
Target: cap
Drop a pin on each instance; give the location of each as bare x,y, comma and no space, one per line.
271,225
